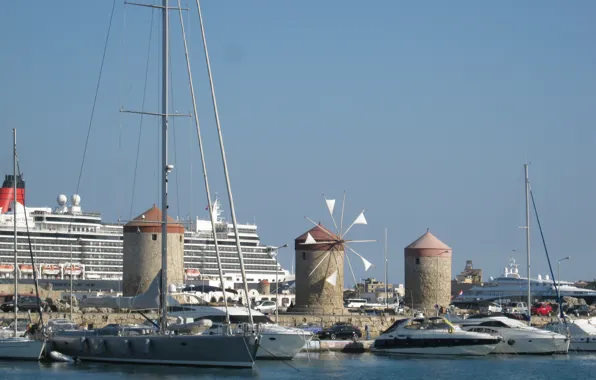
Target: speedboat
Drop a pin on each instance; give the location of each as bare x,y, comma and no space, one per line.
518,337
433,336
582,333
277,342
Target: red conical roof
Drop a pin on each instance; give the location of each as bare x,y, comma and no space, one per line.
150,221
319,233
428,241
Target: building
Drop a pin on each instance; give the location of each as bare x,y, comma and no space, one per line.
469,275
428,273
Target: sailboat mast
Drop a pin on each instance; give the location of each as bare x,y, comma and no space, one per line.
528,242
386,285
14,224
165,168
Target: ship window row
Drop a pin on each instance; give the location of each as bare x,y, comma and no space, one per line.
66,220
224,242
213,257
116,235
228,249
37,249
64,242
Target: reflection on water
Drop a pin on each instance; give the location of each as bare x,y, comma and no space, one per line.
327,366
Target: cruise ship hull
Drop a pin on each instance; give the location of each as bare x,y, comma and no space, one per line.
187,350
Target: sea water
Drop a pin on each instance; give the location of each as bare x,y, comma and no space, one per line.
329,366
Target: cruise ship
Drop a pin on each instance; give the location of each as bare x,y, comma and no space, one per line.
511,286
69,242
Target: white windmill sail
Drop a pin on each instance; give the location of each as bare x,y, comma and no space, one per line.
367,263
310,239
330,205
332,279
360,219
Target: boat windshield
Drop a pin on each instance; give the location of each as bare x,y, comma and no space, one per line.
435,323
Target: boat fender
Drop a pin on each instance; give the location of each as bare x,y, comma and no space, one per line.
511,342
59,357
147,345
450,330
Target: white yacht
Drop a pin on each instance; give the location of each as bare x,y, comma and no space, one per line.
518,337
277,342
433,336
511,286
582,333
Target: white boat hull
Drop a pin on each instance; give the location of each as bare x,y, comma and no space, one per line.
583,344
21,348
280,346
532,346
471,350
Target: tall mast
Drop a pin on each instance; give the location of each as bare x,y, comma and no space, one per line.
165,170
528,241
386,285
14,224
225,164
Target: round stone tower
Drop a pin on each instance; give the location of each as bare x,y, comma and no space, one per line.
428,273
322,291
142,252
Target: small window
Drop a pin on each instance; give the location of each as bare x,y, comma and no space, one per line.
303,255
417,259
154,237
180,238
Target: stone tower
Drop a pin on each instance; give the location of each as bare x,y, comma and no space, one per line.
142,252
316,293
428,273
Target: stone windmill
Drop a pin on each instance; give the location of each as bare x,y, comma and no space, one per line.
319,260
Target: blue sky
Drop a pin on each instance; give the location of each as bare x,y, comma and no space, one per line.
424,112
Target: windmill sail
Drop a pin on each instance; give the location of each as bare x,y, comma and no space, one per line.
330,205
367,263
310,239
332,279
360,219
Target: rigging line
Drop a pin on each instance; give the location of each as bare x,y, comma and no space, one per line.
223,156
35,279
174,131
351,269
561,314
134,178
105,48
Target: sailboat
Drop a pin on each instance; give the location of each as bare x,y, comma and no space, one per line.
222,350
18,347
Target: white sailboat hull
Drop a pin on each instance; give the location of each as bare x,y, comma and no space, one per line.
532,346
583,344
280,346
21,348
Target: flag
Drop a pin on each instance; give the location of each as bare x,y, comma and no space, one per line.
460,292
207,208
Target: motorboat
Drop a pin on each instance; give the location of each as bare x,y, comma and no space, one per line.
518,337
582,333
277,342
433,336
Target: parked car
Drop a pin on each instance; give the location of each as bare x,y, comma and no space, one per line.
579,310
266,307
26,303
340,331
492,307
516,308
542,308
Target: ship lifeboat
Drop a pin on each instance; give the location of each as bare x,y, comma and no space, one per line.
26,268
6,268
192,273
74,270
50,269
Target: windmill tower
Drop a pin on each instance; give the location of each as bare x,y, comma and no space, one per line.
320,255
